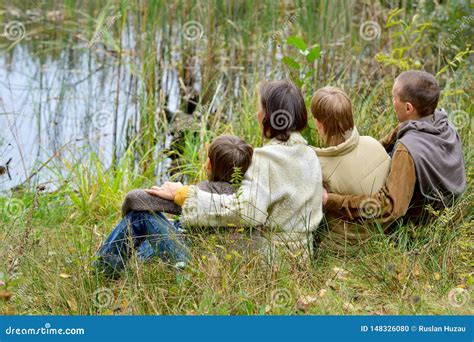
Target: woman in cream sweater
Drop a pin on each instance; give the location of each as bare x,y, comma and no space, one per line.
281,192
351,164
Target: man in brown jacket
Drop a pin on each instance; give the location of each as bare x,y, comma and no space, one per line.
427,159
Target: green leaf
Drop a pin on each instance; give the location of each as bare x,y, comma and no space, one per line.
297,42
380,57
290,62
392,14
394,23
313,54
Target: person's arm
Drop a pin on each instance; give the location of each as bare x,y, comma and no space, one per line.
247,207
390,203
140,200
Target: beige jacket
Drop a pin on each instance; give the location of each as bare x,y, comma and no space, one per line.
358,166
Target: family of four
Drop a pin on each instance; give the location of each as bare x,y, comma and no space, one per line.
288,187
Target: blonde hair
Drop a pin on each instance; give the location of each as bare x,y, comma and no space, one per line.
332,107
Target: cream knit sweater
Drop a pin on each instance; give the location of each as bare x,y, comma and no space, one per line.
281,191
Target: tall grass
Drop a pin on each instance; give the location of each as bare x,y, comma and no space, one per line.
48,239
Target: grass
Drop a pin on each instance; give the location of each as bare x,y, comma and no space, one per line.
410,272
48,239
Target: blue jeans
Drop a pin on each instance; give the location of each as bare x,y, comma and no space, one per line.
150,234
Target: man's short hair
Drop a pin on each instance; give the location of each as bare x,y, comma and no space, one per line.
420,89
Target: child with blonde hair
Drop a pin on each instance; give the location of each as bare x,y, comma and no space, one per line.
351,164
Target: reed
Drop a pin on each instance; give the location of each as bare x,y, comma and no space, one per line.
48,238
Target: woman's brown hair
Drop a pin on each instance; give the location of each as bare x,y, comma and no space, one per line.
227,153
284,109
332,107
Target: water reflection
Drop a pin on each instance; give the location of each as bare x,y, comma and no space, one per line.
73,94
45,107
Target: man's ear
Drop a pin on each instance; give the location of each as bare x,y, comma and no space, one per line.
411,111
208,164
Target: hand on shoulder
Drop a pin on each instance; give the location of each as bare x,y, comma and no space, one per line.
167,191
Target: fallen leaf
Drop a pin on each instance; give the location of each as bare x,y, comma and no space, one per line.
322,293
305,302
72,304
348,306
380,312
340,273
437,276
5,295
331,284
64,275
124,303
416,271
9,310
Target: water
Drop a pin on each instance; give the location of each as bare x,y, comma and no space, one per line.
58,106
69,104
76,100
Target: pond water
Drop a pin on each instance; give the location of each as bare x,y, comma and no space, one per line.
57,105
78,101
